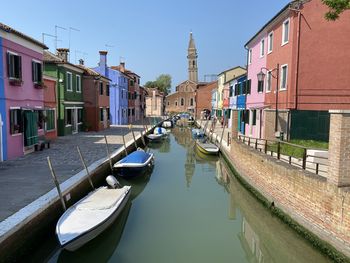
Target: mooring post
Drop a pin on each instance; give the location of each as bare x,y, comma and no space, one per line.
126,151
108,154
223,130
133,135
56,183
142,139
87,170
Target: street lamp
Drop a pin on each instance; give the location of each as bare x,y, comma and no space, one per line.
261,76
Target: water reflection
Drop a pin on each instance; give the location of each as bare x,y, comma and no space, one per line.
264,238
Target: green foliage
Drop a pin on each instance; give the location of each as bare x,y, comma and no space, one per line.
162,83
336,7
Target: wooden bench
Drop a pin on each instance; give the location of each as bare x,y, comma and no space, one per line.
41,143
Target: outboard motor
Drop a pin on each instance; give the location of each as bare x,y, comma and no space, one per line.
113,182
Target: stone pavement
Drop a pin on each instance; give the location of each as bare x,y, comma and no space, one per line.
25,179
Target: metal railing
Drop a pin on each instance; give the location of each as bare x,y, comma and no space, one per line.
301,159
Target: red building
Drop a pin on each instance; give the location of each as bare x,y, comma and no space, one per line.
50,105
203,97
308,70
96,99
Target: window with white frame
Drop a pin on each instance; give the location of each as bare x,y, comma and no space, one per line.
37,72
16,121
262,48
285,31
250,56
14,66
284,74
78,83
268,81
270,43
69,81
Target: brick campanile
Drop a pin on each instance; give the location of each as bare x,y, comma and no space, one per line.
192,60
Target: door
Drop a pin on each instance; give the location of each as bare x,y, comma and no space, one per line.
30,128
74,121
105,118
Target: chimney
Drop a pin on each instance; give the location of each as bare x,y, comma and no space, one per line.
122,67
62,53
81,62
103,59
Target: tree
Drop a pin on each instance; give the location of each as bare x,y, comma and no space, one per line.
162,83
336,7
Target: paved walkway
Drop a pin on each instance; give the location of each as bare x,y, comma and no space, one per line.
25,179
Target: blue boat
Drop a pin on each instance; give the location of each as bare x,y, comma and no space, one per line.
197,133
135,164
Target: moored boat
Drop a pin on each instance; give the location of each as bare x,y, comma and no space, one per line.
197,133
90,216
134,164
207,147
154,137
167,124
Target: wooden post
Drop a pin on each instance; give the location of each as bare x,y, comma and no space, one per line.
142,139
56,183
87,170
126,151
278,150
108,154
265,147
133,135
256,143
228,139
223,130
304,158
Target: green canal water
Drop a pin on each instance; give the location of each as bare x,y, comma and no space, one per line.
192,209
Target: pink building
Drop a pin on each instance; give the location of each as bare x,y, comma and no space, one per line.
23,85
256,58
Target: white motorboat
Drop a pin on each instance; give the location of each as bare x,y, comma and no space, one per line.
160,130
90,216
154,137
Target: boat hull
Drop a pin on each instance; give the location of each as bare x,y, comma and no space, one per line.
212,150
128,169
84,238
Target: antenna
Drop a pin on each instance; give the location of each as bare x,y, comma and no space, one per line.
45,34
71,29
56,27
79,52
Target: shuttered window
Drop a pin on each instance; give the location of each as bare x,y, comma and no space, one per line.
14,66
37,72
260,86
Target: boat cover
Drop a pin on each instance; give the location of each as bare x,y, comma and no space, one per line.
139,157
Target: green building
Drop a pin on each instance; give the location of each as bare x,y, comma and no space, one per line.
69,91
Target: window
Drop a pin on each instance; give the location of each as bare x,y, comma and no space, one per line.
248,84
14,66
284,72
37,72
78,83
168,103
254,117
243,88
176,103
69,81
191,102
41,117
101,88
285,32
128,112
69,116
236,89
133,112
262,48
250,56
50,120
231,91
268,81
270,43
107,90
15,121
182,101
260,86
109,113
101,114
131,83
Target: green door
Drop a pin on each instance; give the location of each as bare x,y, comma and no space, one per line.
30,128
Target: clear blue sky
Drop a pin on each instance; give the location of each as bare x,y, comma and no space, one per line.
151,35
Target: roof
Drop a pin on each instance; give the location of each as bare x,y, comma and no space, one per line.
52,58
231,69
191,44
91,72
274,18
126,71
30,39
150,92
236,77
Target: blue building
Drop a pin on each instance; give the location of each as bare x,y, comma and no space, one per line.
3,129
241,87
118,108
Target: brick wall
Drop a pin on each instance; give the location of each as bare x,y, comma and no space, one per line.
321,207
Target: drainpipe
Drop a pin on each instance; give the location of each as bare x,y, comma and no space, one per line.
297,62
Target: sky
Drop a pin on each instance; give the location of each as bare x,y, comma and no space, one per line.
151,36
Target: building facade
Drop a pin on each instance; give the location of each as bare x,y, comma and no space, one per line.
203,97
96,90
22,103
70,101
184,99
50,105
154,103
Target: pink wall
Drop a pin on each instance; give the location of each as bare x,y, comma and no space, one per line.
20,96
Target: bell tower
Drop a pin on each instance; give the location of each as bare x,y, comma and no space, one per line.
192,60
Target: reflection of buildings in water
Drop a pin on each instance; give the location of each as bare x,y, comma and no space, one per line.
222,175
182,135
165,145
251,243
190,163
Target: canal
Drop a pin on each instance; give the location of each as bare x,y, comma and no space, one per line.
190,209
